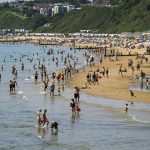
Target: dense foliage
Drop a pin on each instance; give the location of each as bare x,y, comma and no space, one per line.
12,18
127,16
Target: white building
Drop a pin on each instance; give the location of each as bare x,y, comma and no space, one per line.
70,7
43,11
58,8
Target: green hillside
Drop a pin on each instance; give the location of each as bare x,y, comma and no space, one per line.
128,16
14,19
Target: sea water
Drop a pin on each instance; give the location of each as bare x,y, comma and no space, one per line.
101,124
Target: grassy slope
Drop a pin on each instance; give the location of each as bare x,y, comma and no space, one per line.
12,19
131,16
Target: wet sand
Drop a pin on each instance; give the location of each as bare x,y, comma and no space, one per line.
114,87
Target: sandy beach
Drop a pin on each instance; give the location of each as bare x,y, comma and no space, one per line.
24,58
114,87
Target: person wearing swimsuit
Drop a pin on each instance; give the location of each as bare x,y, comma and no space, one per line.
45,118
39,120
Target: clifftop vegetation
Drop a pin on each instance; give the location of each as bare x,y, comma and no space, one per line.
127,16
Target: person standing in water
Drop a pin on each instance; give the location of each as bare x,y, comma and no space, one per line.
22,66
39,120
14,84
126,108
45,85
45,120
52,88
73,106
147,83
36,76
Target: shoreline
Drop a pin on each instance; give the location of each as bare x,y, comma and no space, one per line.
115,87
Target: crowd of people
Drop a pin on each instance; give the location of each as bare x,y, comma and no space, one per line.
51,81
